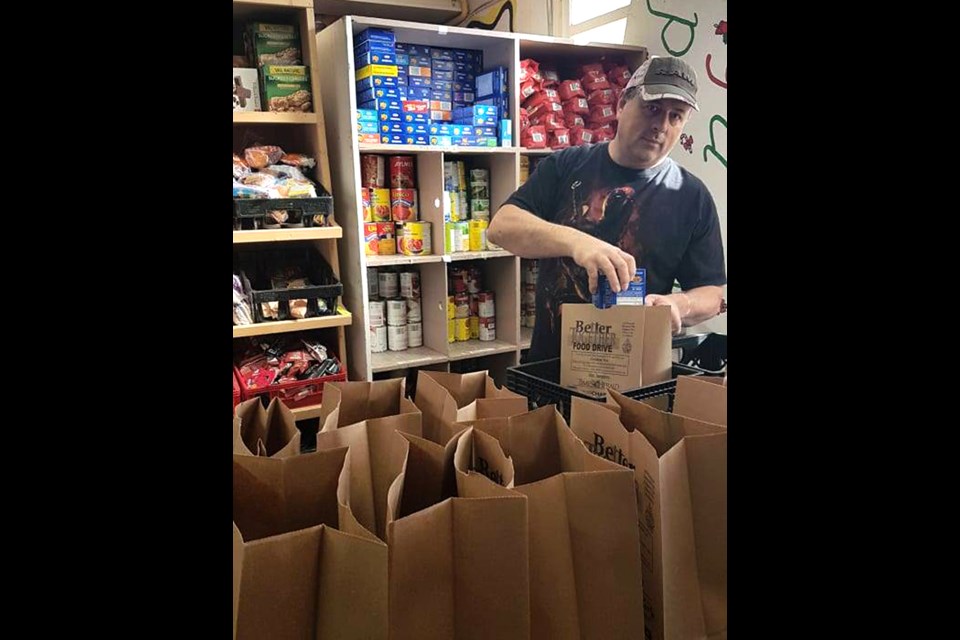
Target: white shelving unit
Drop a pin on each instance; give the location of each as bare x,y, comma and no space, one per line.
501,269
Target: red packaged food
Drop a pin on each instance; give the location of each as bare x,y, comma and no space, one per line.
570,88
524,119
550,77
530,68
619,75
602,114
573,120
594,82
594,68
534,137
528,88
576,105
602,135
559,138
549,121
601,96
581,135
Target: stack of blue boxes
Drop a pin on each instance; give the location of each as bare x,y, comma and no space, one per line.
414,94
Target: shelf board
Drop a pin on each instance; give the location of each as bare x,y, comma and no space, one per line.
270,117
386,261
526,335
477,255
418,148
305,4
305,413
416,357
412,10
342,319
283,235
535,152
477,348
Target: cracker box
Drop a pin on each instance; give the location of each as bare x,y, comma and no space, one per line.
286,88
246,90
273,44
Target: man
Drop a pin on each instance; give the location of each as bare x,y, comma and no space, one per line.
611,207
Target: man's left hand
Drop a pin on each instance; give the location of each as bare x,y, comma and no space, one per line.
656,300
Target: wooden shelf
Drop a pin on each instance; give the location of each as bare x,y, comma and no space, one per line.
417,357
417,148
477,255
477,348
284,235
305,4
386,261
342,319
270,117
305,413
535,152
526,335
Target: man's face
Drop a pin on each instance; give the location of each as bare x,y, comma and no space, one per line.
648,131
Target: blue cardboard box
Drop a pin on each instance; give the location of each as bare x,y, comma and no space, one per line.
373,34
442,85
389,103
465,98
390,127
441,140
419,93
381,92
389,115
411,128
367,126
442,54
373,57
366,115
417,118
492,83
506,133
391,138
469,56
442,65
440,129
442,76
419,81
372,82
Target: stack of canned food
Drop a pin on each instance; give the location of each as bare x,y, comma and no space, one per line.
471,314
395,320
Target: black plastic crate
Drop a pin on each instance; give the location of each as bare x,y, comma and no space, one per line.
248,213
706,351
539,382
255,267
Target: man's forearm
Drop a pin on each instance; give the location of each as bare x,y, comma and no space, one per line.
698,304
524,234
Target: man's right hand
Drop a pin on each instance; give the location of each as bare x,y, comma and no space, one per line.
597,256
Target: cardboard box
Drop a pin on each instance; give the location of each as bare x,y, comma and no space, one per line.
418,107
493,83
415,128
366,115
442,54
246,90
287,88
416,118
421,139
401,59
388,70
442,76
390,115
373,57
441,141
389,93
502,103
441,116
441,129
419,60
389,104
469,56
464,98
393,138
442,65
367,126
506,133
277,44
419,81
442,85
413,49
391,127
374,82
369,138
373,34
619,348
419,93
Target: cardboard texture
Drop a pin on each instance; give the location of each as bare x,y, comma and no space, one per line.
585,569
621,348
268,432
458,566
446,398
682,510
237,573
701,397
301,576
346,403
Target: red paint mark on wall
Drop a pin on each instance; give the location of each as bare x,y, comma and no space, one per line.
713,78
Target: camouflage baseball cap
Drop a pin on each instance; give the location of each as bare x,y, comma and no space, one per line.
666,77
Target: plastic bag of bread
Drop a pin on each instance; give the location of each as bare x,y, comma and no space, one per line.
261,156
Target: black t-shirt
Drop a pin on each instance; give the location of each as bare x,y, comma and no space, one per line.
664,216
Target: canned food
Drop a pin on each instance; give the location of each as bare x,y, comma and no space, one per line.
414,335
401,172
380,204
474,304
530,293
463,236
486,307
481,215
372,171
413,310
397,337
451,239
478,235
410,284
474,323
414,240
480,191
403,204
373,285
461,329
396,312
388,284
480,205
488,329
378,339
377,314
473,280
462,301
365,203
379,238
458,280
451,330
531,317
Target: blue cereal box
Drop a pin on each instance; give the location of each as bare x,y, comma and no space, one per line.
634,294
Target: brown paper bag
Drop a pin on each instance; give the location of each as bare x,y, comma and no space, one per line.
646,440
301,576
237,573
702,398
346,403
585,575
458,566
446,398
265,432
623,347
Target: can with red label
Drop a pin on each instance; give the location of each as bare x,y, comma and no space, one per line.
380,204
372,171
474,304
488,329
401,172
403,205
365,203
486,308
462,302
473,279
